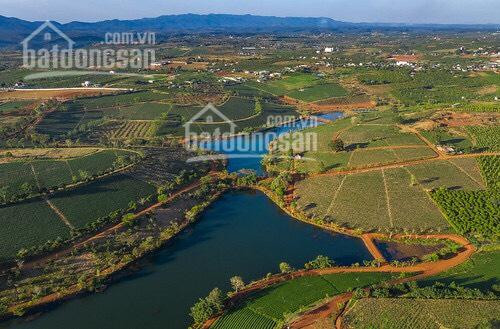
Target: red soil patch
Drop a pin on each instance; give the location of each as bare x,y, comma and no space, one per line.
460,119
406,58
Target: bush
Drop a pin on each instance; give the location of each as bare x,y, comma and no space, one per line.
320,262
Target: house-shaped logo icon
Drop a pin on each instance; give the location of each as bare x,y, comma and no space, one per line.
207,114
49,30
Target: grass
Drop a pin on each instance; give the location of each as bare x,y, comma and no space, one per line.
276,303
393,313
28,224
86,204
318,92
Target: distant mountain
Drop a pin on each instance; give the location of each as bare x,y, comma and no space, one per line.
13,30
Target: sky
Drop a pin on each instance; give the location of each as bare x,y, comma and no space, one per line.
395,11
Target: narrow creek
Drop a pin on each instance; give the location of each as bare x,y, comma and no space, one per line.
243,233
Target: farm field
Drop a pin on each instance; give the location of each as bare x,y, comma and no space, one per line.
274,304
28,224
34,175
318,92
134,129
487,138
393,313
474,212
480,272
379,200
7,107
100,198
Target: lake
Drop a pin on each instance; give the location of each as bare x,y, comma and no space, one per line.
243,233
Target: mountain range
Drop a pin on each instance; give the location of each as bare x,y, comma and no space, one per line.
14,30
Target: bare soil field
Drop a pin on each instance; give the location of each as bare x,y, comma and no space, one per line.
62,94
46,153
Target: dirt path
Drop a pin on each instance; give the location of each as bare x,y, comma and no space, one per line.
108,231
425,270
403,164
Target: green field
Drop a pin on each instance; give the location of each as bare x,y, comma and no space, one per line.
481,271
318,92
28,224
474,212
270,307
5,108
396,313
88,203
487,138
377,200
55,173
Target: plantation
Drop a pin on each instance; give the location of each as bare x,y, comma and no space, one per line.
474,213
5,108
318,92
28,224
134,129
26,177
393,313
435,174
470,212
88,203
480,272
487,138
274,304
380,200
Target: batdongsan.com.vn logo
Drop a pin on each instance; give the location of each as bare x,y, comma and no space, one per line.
49,48
282,137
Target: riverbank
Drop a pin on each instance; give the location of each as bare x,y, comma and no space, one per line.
416,271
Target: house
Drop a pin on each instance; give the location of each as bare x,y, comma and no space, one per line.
86,84
328,50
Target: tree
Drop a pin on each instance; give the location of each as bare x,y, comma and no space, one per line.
207,307
337,145
320,262
413,180
285,267
128,219
84,175
26,188
201,311
216,299
237,283
4,190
